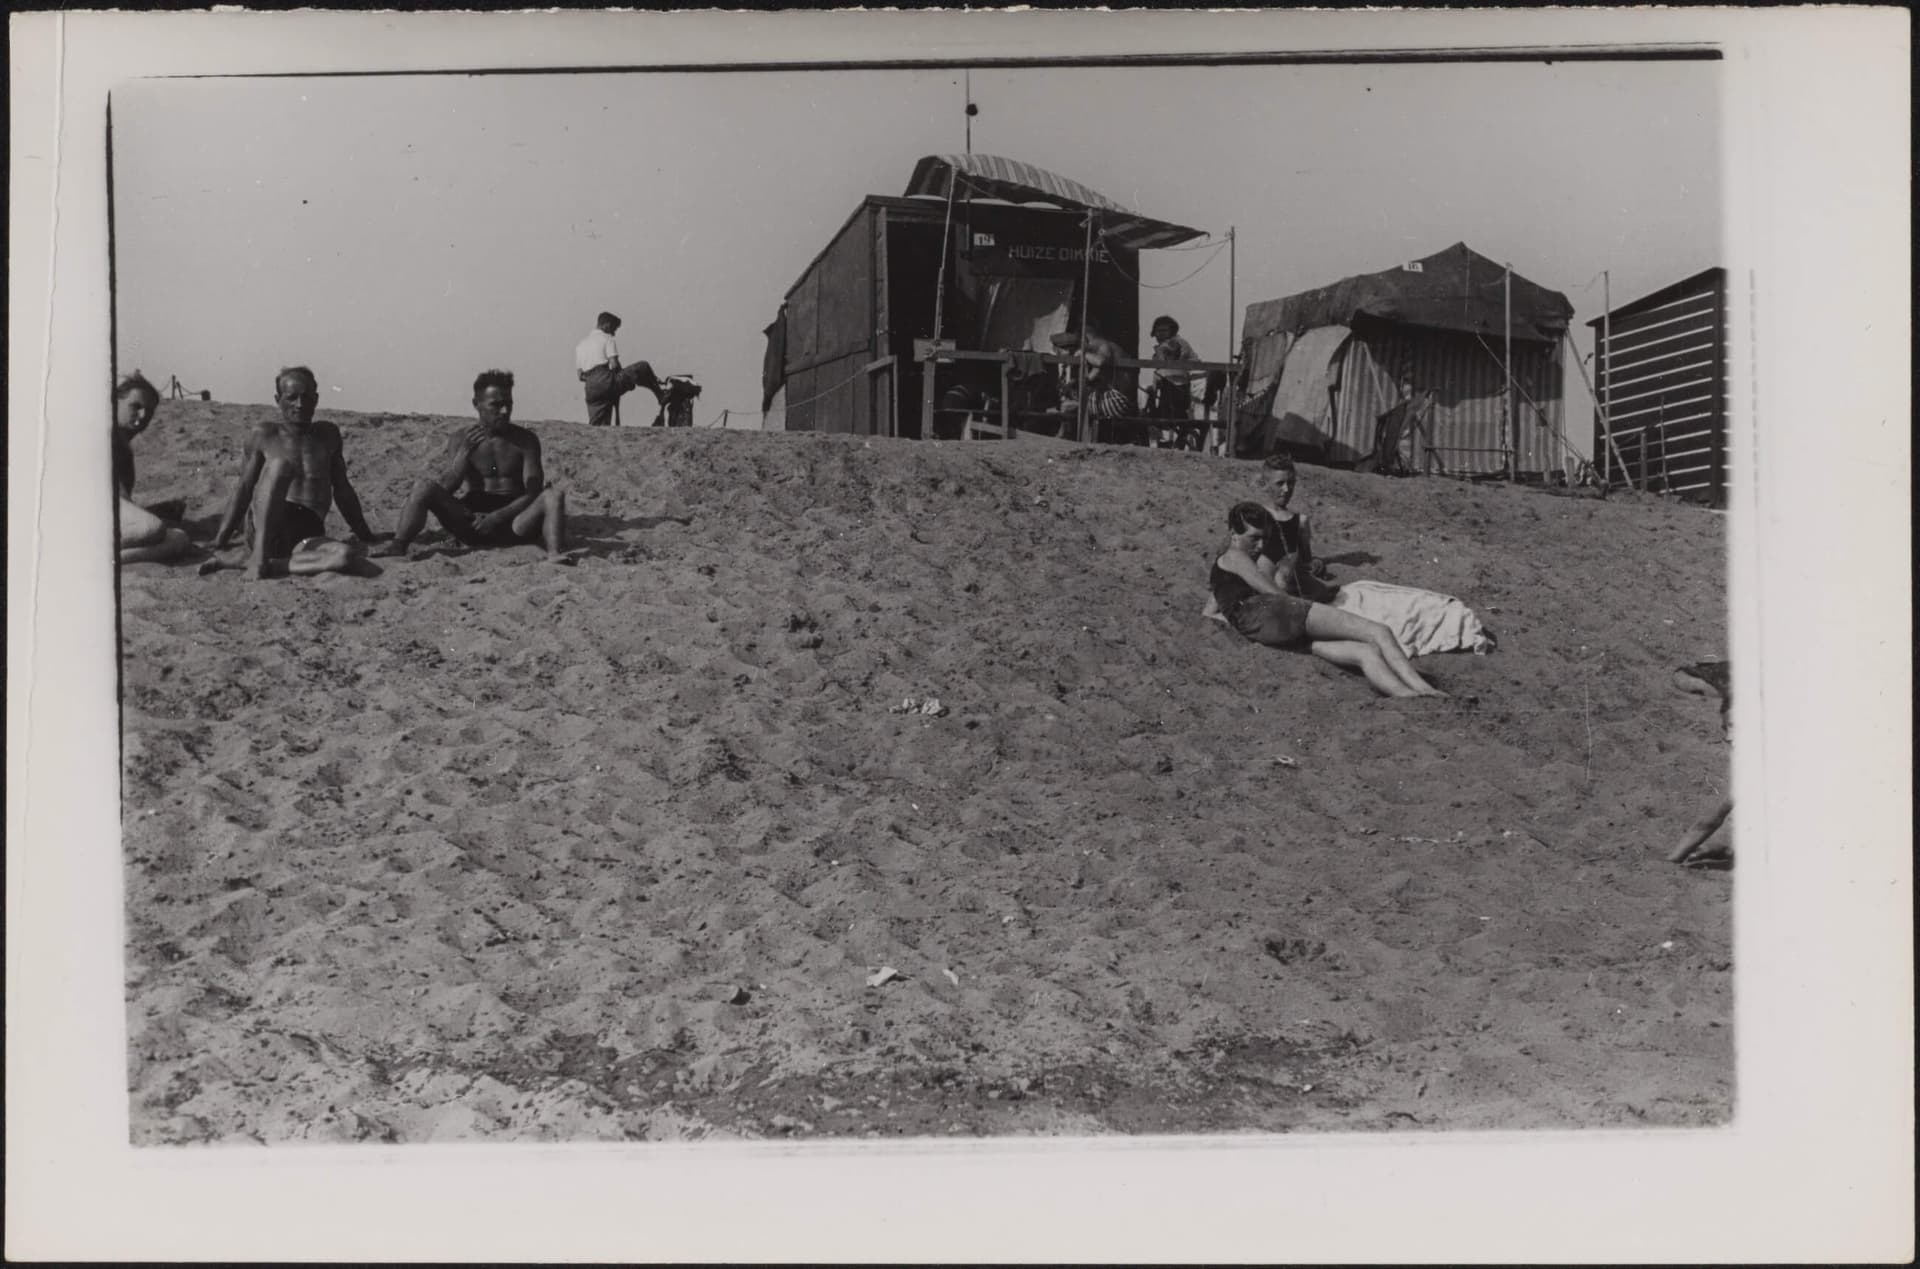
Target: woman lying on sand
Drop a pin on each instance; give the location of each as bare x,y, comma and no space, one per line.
1260,610
1422,621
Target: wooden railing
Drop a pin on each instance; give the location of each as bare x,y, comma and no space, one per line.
933,353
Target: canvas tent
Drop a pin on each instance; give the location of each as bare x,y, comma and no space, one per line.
1326,365
991,251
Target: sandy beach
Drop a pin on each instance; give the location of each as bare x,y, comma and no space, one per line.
484,848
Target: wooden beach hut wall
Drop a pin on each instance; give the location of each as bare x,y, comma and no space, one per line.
992,252
1324,367
1660,379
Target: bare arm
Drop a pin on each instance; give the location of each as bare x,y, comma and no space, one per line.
250,468
1245,567
343,494
453,468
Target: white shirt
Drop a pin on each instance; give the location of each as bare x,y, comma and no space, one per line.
597,349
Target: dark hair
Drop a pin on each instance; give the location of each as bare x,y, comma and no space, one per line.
607,319
1158,322
135,382
1250,516
302,371
493,379
1279,462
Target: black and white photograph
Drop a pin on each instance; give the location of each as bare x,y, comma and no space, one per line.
861,594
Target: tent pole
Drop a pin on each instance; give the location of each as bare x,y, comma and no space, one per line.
1080,379
1233,281
1606,426
940,282
1506,418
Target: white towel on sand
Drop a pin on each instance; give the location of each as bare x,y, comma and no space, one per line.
1424,621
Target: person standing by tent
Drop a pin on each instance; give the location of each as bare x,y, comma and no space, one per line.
1172,389
597,359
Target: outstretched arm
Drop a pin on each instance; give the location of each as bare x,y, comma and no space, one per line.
343,493
242,494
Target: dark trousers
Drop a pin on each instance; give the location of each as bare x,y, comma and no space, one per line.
605,388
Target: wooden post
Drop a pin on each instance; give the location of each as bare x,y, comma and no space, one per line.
1230,417
1006,404
1606,426
926,397
1507,429
1080,378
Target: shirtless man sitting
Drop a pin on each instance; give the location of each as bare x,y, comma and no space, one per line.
508,500
144,536
293,472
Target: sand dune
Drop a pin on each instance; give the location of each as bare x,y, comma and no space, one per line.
484,848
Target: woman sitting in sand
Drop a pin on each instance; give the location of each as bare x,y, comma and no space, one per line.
143,536
1255,605
1422,621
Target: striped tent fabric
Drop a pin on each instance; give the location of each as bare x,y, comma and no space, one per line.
990,176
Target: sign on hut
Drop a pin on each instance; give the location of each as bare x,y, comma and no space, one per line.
960,290
1449,364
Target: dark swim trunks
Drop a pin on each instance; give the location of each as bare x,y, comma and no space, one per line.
480,503
1279,621
298,522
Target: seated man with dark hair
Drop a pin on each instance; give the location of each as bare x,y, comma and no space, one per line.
508,500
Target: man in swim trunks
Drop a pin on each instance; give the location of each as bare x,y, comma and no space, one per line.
295,469
508,500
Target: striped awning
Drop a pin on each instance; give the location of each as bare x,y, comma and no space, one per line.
990,176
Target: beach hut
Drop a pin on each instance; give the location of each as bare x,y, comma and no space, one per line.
1454,360
985,253
1660,375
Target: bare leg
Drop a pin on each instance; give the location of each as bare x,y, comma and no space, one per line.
1352,655
269,496
428,496
548,517
172,545
1689,848
138,526
1326,622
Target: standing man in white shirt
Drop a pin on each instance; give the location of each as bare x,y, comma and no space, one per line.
597,358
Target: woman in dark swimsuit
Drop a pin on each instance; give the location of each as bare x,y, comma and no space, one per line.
1261,611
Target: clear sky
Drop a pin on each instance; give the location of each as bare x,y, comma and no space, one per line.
401,234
